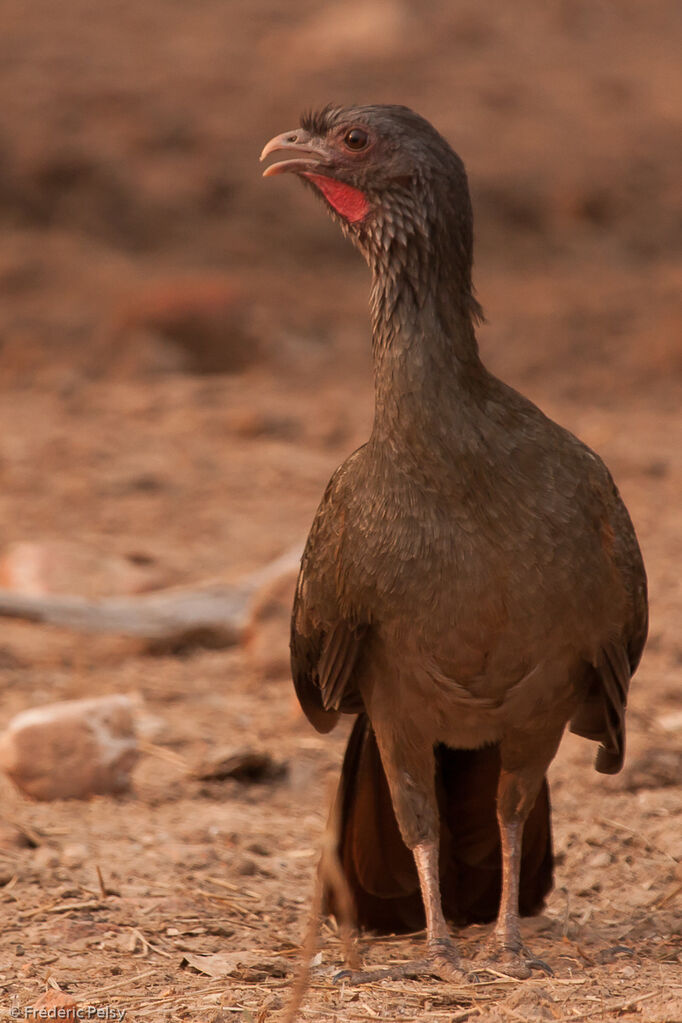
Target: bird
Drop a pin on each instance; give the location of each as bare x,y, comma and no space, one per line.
472,582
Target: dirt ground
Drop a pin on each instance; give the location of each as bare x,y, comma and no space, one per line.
183,362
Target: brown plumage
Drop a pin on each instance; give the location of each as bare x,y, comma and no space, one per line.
379,867
472,581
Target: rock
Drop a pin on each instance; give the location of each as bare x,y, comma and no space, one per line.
45,858
61,566
531,1004
140,353
12,837
245,866
600,859
656,769
56,1005
203,318
71,750
244,765
341,32
258,848
671,722
257,423
74,854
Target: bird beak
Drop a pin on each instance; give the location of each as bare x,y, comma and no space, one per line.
306,153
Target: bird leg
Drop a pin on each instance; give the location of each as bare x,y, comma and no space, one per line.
517,790
442,957
410,771
505,947
507,929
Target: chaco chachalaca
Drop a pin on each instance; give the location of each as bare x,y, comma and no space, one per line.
472,581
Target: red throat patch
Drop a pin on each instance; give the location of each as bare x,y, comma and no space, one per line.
350,202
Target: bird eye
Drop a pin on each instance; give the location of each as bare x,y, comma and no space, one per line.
356,138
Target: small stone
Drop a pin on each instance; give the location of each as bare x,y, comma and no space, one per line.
67,567
12,837
256,423
246,867
600,859
45,858
74,855
671,722
244,765
71,750
336,33
57,1005
202,317
258,848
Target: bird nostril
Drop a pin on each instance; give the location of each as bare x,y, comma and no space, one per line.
292,138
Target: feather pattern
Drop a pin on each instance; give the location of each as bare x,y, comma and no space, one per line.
380,868
472,581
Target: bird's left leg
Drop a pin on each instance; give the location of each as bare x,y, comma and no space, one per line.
524,764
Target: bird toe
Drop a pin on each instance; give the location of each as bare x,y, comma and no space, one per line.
441,961
515,962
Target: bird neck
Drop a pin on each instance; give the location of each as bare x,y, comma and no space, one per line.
427,370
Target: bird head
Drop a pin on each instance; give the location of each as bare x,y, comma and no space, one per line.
393,183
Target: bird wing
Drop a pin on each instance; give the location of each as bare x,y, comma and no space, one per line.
325,643
601,716
322,663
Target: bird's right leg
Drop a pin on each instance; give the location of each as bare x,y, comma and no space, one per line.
410,771
442,953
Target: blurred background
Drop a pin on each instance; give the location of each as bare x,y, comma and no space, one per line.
162,306
184,347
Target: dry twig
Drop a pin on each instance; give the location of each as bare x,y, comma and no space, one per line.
215,614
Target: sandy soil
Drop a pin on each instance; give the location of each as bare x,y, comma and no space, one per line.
183,362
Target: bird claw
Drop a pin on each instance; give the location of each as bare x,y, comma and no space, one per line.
402,972
442,962
353,977
514,962
541,965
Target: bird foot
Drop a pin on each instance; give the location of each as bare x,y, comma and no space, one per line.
513,959
355,977
441,961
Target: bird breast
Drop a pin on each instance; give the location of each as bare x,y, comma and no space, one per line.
467,571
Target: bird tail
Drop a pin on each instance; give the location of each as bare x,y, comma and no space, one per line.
380,869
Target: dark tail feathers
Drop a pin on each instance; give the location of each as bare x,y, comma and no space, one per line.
380,868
